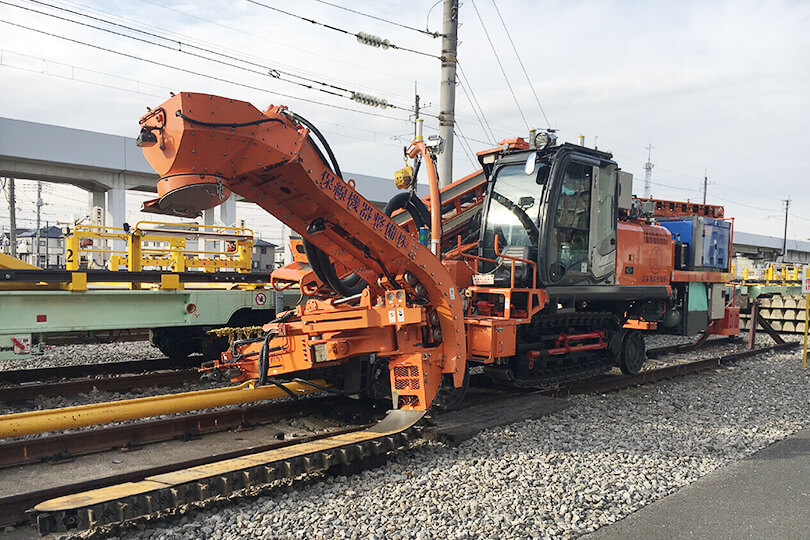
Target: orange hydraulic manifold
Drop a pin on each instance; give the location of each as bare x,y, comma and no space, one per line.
204,147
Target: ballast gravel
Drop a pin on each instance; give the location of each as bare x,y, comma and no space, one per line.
560,476
98,353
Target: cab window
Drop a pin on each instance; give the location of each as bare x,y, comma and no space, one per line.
572,218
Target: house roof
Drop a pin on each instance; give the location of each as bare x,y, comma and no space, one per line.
44,232
258,242
771,242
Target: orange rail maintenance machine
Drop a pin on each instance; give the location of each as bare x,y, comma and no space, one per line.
558,270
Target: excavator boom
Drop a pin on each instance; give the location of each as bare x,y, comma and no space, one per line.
206,147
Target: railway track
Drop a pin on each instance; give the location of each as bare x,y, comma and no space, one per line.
64,446
31,390
657,352
612,383
97,336
32,383
76,371
109,511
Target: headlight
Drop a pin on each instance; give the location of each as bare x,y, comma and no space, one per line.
544,139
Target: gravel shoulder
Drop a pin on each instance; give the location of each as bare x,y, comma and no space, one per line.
560,476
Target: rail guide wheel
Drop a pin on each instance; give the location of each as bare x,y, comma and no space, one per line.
634,352
449,397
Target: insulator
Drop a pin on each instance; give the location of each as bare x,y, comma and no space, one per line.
369,100
372,40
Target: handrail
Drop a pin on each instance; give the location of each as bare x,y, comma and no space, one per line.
478,258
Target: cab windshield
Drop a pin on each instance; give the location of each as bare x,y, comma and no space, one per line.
514,208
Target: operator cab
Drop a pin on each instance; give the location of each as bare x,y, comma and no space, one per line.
555,206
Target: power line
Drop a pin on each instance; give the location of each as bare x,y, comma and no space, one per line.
374,137
376,18
164,33
681,188
745,205
482,119
528,79
359,35
265,38
486,143
271,72
483,128
466,146
73,77
199,74
508,84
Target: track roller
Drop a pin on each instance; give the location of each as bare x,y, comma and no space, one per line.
633,354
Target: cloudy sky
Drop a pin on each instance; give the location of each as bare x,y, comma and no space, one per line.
720,87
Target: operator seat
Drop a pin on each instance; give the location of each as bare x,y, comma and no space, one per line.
523,270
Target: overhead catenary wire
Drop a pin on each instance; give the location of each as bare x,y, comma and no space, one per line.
520,61
358,35
242,31
381,19
468,151
4,62
321,86
482,119
466,147
198,73
498,59
272,71
464,90
375,137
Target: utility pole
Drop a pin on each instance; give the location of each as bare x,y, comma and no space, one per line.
39,206
447,106
415,109
12,216
705,184
784,243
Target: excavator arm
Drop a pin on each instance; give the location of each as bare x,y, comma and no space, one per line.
206,147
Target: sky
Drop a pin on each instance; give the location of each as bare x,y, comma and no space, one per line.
717,88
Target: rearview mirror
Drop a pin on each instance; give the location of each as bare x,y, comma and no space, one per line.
531,163
526,202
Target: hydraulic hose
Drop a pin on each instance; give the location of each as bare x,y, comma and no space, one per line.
321,265
325,270
413,205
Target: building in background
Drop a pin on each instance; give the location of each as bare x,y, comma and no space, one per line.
51,246
759,247
264,256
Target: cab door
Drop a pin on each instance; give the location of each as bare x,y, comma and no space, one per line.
604,212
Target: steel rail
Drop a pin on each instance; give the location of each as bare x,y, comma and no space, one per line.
619,382
156,493
110,384
64,446
19,503
691,346
19,376
14,508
